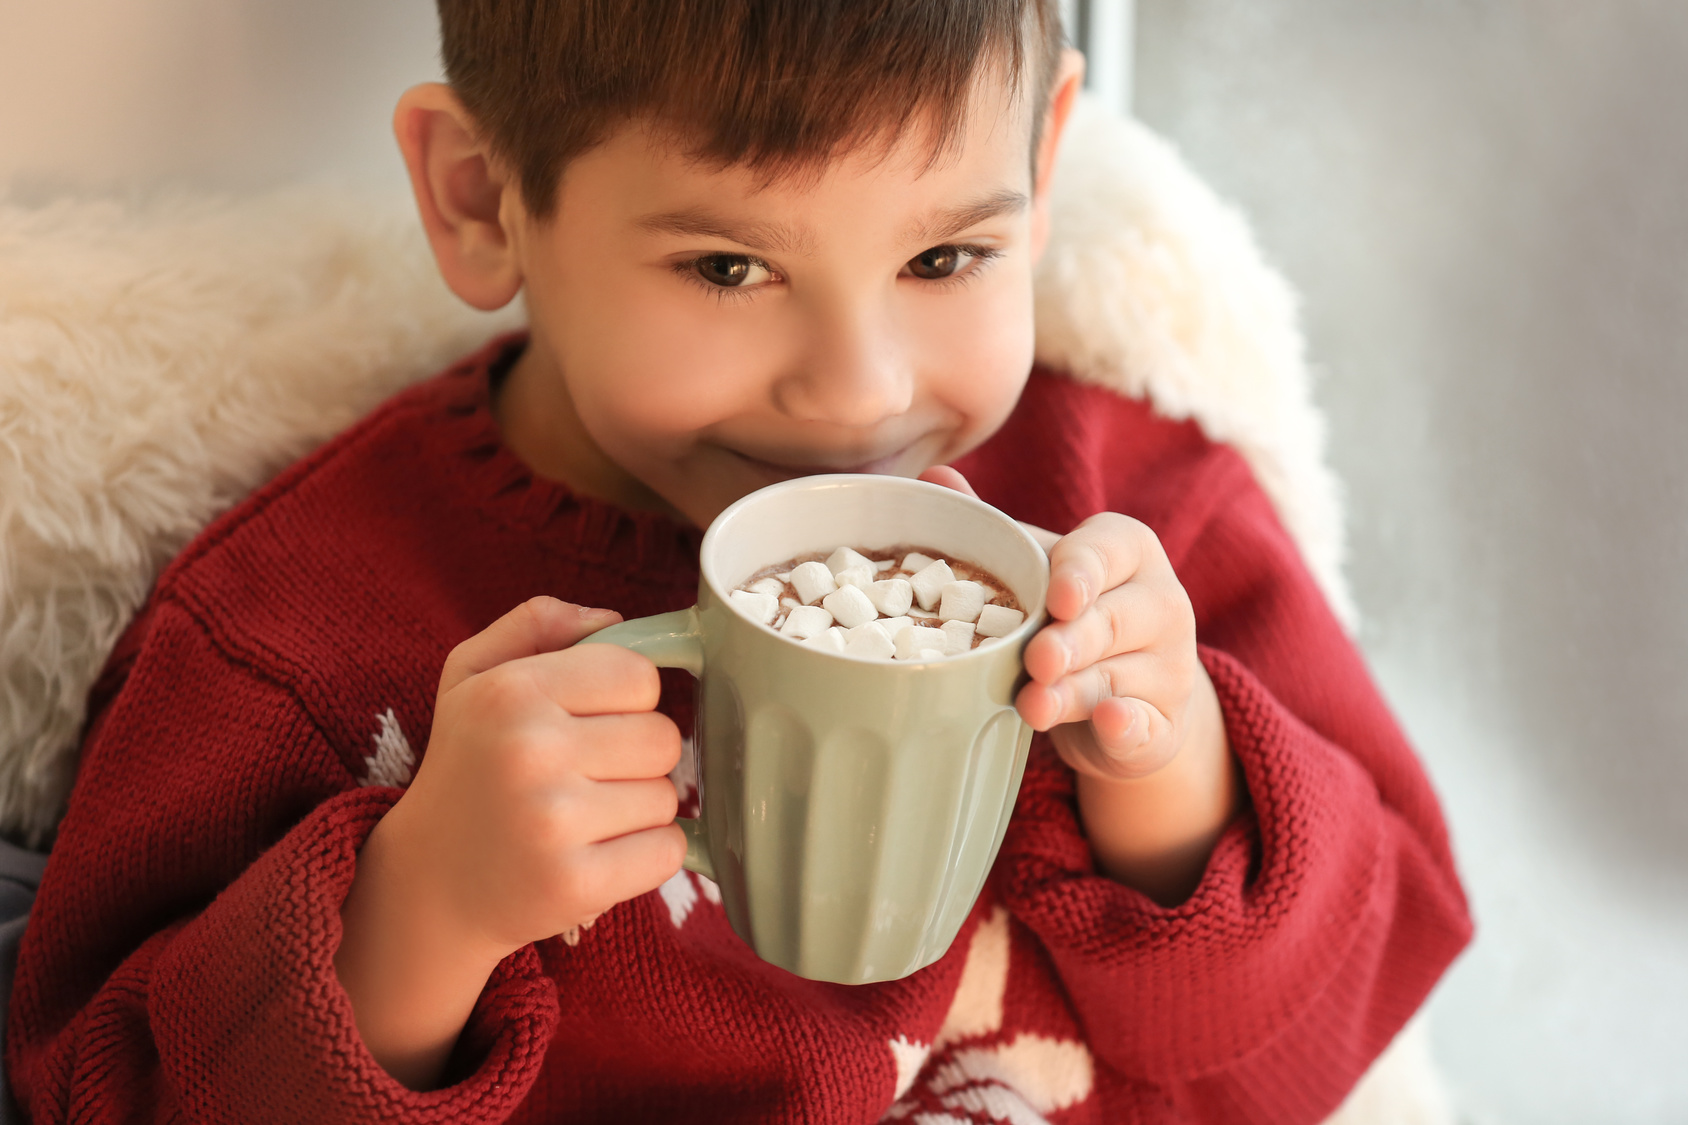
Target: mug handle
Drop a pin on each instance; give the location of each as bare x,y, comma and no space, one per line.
669,640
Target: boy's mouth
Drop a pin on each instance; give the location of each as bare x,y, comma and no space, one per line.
886,465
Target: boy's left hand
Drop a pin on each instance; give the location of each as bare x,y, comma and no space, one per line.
1115,672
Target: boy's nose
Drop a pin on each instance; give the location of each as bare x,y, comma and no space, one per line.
855,373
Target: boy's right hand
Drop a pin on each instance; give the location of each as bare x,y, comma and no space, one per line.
542,801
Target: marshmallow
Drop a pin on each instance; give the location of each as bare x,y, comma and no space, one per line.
983,641
884,564
806,621
894,625
849,606
999,620
861,577
931,654
869,642
846,559
914,561
830,640
958,637
789,603
961,601
914,642
929,582
813,581
784,576
760,608
891,597
767,586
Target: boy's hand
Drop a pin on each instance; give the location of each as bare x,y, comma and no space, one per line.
542,801
1117,683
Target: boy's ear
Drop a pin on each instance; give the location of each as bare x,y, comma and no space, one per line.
1063,92
469,205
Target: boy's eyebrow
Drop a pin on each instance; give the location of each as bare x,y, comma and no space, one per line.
697,222
951,221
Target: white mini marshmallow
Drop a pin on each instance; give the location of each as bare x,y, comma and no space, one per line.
831,640
884,564
929,582
999,620
914,642
894,625
806,621
869,642
914,561
892,597
767,586
922,615
958,637
789,603
931,654
849,607
846,559
813,581
983,641
861,577
760,608
961,601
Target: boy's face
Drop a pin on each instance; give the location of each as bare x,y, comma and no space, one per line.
699,333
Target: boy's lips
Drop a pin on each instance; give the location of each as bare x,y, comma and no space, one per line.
882,465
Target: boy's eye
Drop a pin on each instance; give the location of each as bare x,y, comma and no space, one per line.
938,262
731,271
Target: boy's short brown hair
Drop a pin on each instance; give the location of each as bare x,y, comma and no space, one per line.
774,84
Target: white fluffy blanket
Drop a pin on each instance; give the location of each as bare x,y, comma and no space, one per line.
159,360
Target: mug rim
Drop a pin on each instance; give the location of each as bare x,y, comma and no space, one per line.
706,568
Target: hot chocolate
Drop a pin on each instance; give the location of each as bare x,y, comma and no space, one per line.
903,603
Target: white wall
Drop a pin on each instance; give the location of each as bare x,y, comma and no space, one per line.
228,94
1485,203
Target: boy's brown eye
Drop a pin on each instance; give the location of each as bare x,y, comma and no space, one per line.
940,261
727,270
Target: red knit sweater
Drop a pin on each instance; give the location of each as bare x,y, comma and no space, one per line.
179,963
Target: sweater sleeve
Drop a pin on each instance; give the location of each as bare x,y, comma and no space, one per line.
179,960
1327,910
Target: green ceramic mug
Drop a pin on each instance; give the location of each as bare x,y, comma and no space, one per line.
850,809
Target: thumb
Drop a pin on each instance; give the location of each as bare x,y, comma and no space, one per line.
949,478
538,625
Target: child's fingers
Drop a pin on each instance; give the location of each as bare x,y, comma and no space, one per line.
537,625
1124,619
604,810
1104,551
1126,738
1073,698
635,744
591,679
952,478
949,478
615,870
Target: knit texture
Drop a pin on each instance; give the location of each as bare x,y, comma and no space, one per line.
260,714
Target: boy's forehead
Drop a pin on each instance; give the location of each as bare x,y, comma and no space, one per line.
933,192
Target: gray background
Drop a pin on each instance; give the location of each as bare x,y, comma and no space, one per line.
1486,205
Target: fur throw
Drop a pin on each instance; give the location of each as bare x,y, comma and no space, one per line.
159,360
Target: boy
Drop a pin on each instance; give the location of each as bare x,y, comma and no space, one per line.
757,238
